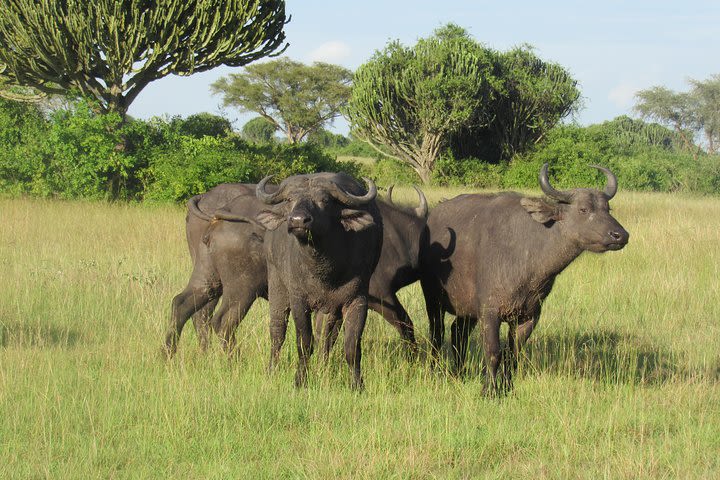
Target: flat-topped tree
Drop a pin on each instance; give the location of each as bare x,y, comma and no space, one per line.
295,98
111,49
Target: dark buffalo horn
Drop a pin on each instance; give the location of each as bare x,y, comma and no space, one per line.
268,198
422,209
548,189
388,197
611,187
353,200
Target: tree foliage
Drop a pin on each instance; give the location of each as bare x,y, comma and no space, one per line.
203,124
669,108
694,112
451,91
259,130
411,100
530,98
705,99
110,50
296,98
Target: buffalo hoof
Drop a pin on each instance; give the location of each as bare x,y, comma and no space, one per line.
168,350
301,380
357,385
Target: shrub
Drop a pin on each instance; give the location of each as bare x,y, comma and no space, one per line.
387,171
203,125
470,172
22,132
86,155
196,165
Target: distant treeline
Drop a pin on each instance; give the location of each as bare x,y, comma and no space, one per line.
77,152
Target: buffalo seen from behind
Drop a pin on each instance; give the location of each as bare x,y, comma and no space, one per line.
226,258
494,258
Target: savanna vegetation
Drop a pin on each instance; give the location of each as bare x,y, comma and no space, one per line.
620,380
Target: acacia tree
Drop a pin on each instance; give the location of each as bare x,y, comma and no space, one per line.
411,100
705,100
668,108
111,49
297,99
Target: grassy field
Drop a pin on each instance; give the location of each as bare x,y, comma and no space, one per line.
620,380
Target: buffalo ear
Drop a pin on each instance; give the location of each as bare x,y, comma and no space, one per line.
540,210
355,220
269,219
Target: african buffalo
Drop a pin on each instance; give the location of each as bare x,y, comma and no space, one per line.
398,266
228,260
321,261
494,258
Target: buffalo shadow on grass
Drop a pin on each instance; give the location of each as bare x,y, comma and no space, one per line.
18,334
603,356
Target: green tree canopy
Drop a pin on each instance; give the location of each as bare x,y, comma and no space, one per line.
668,108
411,100
259,130
327,139
296,98
111,49
203,124
705,100
531,96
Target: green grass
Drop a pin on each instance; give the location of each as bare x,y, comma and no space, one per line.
620,380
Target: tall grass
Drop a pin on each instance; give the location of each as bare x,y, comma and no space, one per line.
620,380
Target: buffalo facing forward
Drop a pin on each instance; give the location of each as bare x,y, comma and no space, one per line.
321,260
494,258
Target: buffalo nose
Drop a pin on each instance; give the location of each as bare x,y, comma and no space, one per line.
299,221
619,235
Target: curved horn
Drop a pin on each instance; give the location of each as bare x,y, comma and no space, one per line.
194,208
265,197
388,196
422,209
548,189
611,186
353,200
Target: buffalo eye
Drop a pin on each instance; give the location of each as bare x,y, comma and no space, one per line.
584,210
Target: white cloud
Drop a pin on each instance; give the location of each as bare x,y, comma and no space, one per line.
623,95
330,52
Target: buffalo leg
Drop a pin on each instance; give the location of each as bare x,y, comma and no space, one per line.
185,304
460,334
355,315
492,352
230,317
304,340
391,309
327,327
524,330
278,322
436,319
518,335
201,321
512,349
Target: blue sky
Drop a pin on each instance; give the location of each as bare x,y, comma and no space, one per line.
613,48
